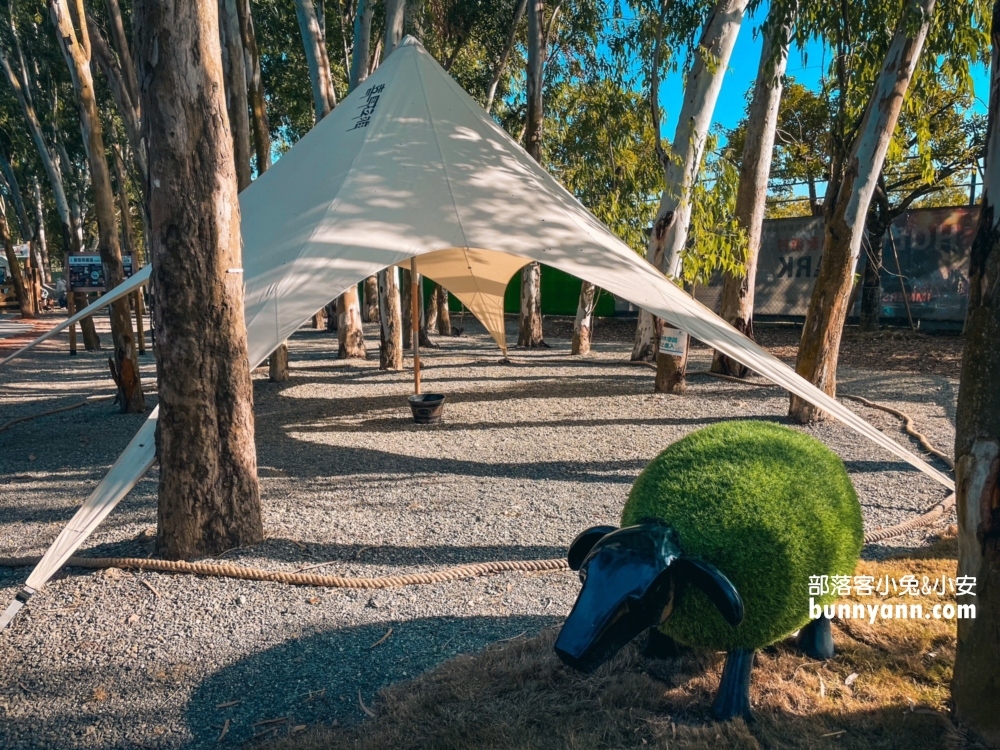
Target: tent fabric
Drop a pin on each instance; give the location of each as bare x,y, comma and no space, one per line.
411,166
478,278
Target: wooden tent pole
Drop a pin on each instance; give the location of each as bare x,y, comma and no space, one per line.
415,324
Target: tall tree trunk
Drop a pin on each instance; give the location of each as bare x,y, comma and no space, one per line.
277,364
362,42
128,106
235,75
530,333
324,98
673,218
209,496
255,87
120,40
391,350
76,49
847,207
25,300
975,688
584,322
390,327
751,193
498,69
350,333
369,310
43,245
394,10
438,317
431,312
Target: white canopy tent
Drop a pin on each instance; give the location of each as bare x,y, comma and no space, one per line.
408,167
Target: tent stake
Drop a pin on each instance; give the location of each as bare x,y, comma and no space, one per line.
415,323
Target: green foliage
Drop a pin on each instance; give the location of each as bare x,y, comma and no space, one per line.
716,241
769,507
859,34
598,145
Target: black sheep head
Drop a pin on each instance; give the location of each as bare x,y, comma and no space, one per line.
630,579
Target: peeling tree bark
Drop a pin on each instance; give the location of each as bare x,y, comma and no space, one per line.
530,332
584,322
751,193
350,333
976,684
673,218
369,310
391,351
76,50
847,207
437,316
209,496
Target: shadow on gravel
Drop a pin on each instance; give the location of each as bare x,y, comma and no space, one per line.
317,677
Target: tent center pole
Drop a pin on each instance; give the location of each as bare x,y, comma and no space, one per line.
415,323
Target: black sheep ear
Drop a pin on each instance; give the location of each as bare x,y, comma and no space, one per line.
585,542
719,589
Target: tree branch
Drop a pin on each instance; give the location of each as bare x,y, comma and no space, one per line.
498,70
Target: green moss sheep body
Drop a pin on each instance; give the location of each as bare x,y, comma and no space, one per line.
769,507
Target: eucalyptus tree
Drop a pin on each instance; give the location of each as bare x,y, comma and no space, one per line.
755,169
388,285
209,494
530,320
977,451
74,39
234,73
872,74
680,168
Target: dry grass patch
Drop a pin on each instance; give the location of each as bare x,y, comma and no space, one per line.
886,688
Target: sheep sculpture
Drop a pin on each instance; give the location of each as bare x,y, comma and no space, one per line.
721,535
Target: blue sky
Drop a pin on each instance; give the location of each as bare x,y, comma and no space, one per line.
807,70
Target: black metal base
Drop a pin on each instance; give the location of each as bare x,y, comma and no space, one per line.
660,646
733,698
815,640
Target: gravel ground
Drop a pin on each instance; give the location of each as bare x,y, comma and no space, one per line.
530,453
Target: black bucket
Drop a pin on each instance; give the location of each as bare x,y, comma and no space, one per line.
427,408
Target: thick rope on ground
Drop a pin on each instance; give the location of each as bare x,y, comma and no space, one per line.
218,570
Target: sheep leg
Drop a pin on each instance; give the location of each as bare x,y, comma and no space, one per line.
816,639
659,645
733,698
